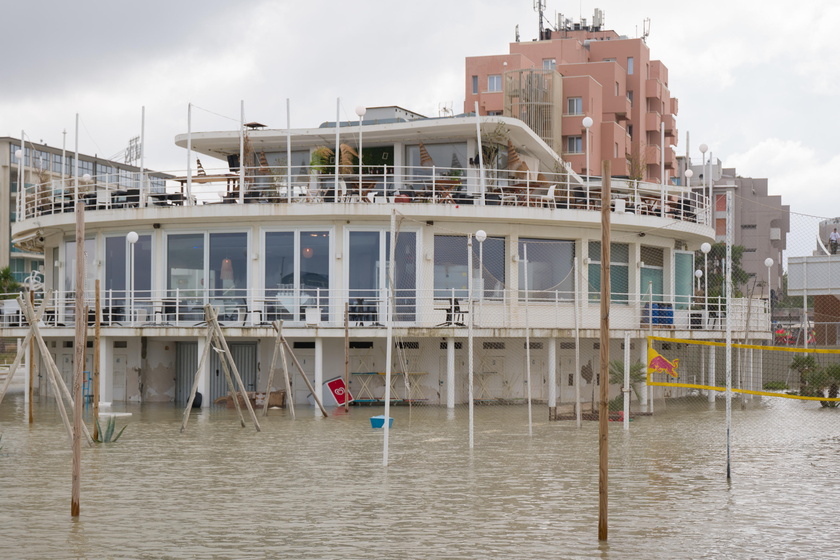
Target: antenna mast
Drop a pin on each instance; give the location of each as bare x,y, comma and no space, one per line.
539,7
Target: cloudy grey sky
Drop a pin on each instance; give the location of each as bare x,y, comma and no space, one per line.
757,80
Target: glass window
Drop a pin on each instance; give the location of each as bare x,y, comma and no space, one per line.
70,265
630,97
619,272
630,62
185,265
446,158
494,82
651,275
450,266
574,106
549,64
279,261
229,266
475,84
365,265
683,278
489,259
550,269
117,268
574,144
405,274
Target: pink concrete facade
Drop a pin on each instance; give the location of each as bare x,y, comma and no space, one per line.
607,77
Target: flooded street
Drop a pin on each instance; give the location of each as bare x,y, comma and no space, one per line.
316,488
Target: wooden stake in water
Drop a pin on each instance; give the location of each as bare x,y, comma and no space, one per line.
79,357
96,341
603,407
29,389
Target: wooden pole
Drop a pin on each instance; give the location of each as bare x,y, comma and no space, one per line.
20,353
305,378
347,351
603,408
97,332
278,347
30,390
290,401
233,368
78,356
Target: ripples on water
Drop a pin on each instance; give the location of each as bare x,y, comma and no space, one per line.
316,488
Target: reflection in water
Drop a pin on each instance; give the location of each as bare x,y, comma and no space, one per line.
315,487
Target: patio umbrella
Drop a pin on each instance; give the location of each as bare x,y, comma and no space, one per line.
425,159
513,161
346,163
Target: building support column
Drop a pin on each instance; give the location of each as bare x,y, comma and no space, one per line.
450,372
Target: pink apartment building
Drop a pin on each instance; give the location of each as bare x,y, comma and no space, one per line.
599,74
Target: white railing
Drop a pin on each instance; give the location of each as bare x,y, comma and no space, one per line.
377,184
301,307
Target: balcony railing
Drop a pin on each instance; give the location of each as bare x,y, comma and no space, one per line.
488,309
377,184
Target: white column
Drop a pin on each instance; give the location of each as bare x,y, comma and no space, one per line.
643,392
552,372
204,376
450,372
106,371
319,369
711,381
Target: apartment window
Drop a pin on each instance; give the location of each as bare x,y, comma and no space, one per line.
630,97
495,113
748,226
749,250
619,272
630,62
615,151
574,144
630,131
494,82
617,89
549,63
574,106
475,84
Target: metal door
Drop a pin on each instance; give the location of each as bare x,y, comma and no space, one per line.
245,358
186,362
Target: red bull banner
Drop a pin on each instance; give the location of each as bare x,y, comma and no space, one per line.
658,363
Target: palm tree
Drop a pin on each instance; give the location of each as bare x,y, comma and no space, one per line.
9,287
637,375
804,364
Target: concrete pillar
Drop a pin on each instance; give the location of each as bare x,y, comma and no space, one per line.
552,372
450,372
319,368
204,375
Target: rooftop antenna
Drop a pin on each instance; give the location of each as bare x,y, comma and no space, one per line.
645,28
517,32
539,7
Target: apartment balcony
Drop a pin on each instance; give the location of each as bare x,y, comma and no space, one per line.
652,121
653,89
618,105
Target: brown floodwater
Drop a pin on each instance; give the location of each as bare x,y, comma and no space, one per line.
316,488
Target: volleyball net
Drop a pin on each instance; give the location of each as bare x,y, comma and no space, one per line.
794,372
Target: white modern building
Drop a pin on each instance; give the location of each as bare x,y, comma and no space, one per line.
454,230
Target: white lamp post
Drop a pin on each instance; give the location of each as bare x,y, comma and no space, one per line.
703,149
705,248
768,262
698,274
481,236
20,163
360,112
688,175
131,237
587,123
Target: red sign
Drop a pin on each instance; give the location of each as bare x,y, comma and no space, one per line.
339,391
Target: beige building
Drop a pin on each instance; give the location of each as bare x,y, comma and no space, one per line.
580,70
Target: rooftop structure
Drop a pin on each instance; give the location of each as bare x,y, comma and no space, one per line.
577,70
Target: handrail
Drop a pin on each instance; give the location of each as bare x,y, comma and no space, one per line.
387,184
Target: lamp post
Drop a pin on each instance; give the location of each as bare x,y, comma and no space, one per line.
20,163
703,149
705,248
360,112
481,236
768,262
698,274
587,123
688,175
131,237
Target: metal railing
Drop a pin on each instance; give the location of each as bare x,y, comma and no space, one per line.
499,309
377,184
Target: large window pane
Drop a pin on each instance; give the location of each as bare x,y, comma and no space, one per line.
619,272
450,266
315,269
684,279
489,261
405,275
550,269
229,266
185,265
279,261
